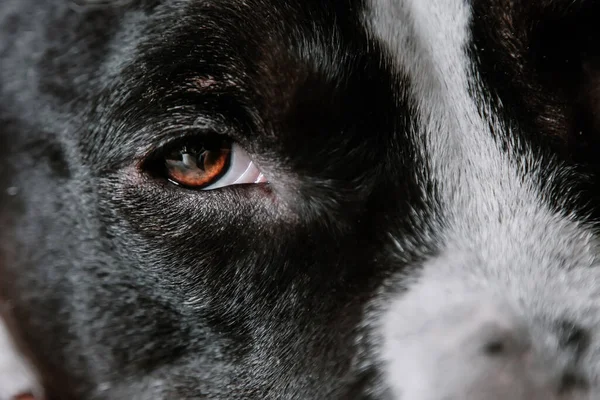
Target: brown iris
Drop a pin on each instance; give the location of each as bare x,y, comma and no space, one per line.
198,165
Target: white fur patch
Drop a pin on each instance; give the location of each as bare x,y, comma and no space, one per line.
16,374
498,233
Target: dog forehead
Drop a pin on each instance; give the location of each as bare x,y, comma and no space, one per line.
427,41
423,37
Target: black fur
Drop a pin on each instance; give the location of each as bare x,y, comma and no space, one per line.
100,258
117,278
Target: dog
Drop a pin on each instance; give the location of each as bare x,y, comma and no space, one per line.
300,199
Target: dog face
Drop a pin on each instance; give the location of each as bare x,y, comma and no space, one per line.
378,199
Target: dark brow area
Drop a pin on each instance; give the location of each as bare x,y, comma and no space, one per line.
230,69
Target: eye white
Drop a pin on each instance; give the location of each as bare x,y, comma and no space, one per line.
241,170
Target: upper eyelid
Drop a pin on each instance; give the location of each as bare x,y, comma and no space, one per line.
138,147
146,119
175,133
133,132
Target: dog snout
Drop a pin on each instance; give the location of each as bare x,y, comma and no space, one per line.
479,350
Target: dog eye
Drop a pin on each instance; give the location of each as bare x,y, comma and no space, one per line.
208,164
